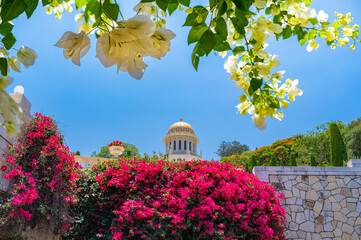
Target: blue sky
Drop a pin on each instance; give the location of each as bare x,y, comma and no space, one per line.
94,105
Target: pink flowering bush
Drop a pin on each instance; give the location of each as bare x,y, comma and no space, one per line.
43,176
143,199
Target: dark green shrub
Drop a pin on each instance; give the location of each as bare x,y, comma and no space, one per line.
338,152
313,161
293,162
273,161
253,162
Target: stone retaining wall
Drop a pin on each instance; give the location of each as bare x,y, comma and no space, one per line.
321,202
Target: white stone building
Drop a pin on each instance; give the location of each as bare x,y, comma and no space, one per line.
181,142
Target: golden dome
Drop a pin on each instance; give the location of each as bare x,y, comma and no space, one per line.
181,129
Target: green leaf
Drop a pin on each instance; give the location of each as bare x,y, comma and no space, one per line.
302,37
243,4
198,11
195,57
256,83
222,9
287,32
46,2
238,50
312,34
8,41
80,3
207,41
314,21
172,7
334,25
268,10
30,7
239,25
6,28
185,2
307,2
163,4
221,28
196,33
91,8
111,9
222,46
11,9
4,66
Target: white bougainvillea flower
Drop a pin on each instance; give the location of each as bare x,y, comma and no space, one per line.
4,82
263,70
260,3
146,9
27,56
140,26
312,45
347,31
122,35
160,42
274,62
294,91
14,63
259,121
343,41
75,45
103,48
231,64
322,16
136,66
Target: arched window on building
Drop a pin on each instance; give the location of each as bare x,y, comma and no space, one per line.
185,145
190,146
180,145
194,147
170,145
174,146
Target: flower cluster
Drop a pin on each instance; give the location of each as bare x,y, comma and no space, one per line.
251,66
123,43
43,173
58,7
116,143
142,199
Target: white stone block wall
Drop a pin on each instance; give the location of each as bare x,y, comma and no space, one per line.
7,140
320,202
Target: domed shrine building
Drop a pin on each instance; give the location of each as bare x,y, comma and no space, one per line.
181,142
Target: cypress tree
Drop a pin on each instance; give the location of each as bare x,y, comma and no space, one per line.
273,161
313,161
338,152
253,162
293,159
246,167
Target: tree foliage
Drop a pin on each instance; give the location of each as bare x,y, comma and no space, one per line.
315,141
338,152
313,160
227,149
280,149
237,159
353,138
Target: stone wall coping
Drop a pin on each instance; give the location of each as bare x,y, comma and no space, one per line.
263,172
